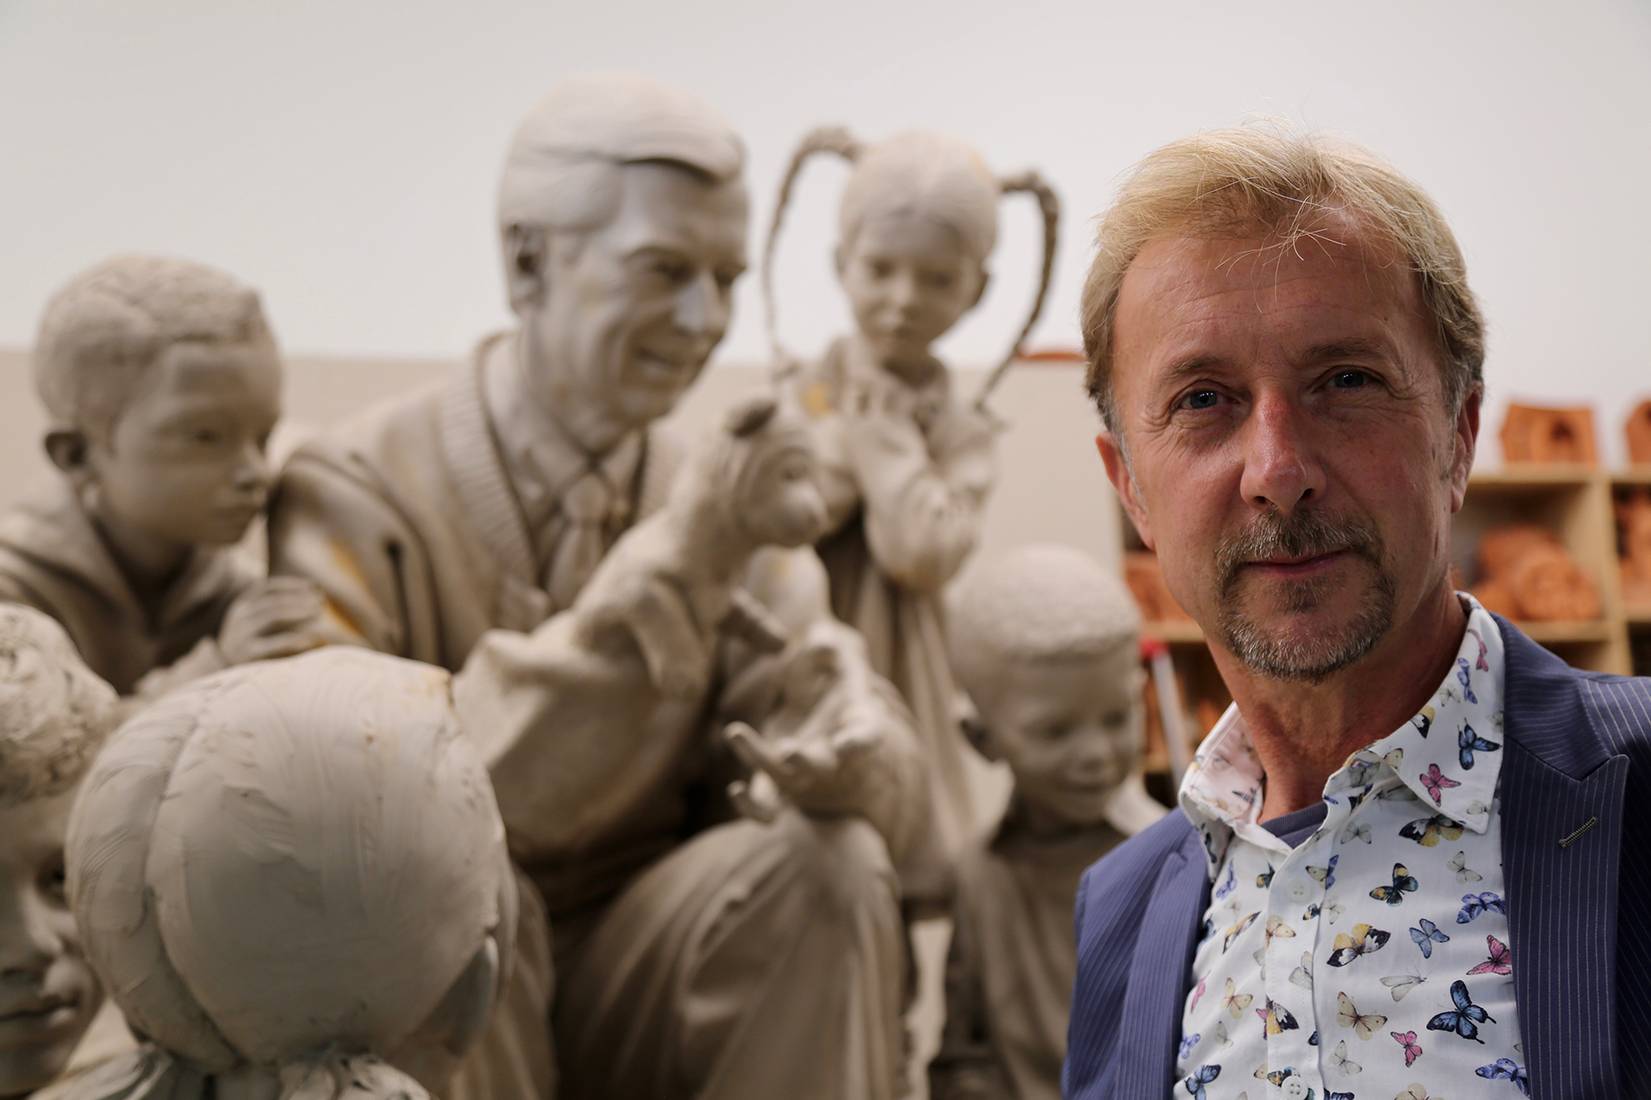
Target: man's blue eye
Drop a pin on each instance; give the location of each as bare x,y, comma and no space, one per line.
1349,379
1201,399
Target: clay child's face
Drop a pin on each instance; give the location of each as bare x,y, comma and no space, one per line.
1069,729
184,464
48,994
909,279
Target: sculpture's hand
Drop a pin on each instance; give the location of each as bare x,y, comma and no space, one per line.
820,772
277,617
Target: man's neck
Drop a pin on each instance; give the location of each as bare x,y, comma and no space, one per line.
591,429
1303,732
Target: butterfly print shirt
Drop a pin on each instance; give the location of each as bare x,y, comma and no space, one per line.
1370,958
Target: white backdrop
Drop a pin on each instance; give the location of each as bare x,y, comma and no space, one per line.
342,155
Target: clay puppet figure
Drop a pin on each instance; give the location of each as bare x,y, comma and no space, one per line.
1046,643
643,635
54,714
162,383
292,878
908,464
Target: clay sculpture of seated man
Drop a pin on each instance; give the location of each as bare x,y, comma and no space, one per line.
162,382
292,878
1046,643
54,714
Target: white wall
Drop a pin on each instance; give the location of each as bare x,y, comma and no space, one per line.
342,154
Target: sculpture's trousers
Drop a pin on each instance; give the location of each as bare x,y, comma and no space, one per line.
754,962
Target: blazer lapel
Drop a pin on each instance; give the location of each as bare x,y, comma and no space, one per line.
1562,815
1151,1024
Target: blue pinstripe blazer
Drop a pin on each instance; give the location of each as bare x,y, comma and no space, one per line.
1578,748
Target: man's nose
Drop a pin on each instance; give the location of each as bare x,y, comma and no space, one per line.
29,941
702,309
251,469
1281,468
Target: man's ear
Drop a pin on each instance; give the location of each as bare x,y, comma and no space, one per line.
1117,472
68,450
1464,443
525,264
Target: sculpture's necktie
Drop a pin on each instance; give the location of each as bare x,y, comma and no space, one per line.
585,506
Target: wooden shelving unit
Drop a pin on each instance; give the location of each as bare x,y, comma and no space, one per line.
1574,502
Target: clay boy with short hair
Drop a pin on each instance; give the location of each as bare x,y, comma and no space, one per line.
53,716
162,383
1045,642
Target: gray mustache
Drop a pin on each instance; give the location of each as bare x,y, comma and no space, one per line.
1302,535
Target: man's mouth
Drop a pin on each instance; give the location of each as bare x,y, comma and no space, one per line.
1298,565
38,1014
662,368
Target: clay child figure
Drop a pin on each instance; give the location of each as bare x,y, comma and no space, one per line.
292,878
1046,643
162,382
908,463
53,716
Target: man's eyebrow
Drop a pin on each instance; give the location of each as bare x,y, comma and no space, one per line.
1352,347
1181,369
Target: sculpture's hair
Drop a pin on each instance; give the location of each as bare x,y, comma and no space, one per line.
1299,189
562,167
345,861
109,325
916,172
54,711
1035,603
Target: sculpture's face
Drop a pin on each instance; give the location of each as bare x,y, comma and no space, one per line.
48,994
909,279
1069,729
631,310
184,462
1290,452
779,495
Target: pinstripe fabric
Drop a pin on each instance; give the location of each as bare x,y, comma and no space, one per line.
1579,748
1137,925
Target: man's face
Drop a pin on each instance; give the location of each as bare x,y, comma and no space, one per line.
48,994
1290,452
184,462
1069,729
631,310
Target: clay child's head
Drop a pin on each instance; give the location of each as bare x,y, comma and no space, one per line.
1046,644
54,713
295,871
916,227
162,383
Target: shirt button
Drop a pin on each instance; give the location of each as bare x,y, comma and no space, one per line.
1295,1088
1300,891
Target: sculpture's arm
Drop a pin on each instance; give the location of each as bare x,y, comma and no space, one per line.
822,730
966,1067
922,496
330,527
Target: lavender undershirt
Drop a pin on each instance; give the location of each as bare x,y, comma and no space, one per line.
1293,828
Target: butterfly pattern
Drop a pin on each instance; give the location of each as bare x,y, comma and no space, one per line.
1390,919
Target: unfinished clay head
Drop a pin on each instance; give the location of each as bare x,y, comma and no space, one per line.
1638,429
622,218
916,228
1535,433
54,714
162,383
294,864
1045,643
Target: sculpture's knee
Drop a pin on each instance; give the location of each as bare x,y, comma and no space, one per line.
842,864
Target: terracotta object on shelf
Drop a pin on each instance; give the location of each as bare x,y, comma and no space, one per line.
1639,434
1634,542
1145,579
1536,433
1526,573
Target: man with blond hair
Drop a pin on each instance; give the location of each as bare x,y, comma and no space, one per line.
1404,855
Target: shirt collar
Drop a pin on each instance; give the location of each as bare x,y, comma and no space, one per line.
1448,754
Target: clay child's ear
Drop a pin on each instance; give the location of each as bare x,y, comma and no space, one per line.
67,448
